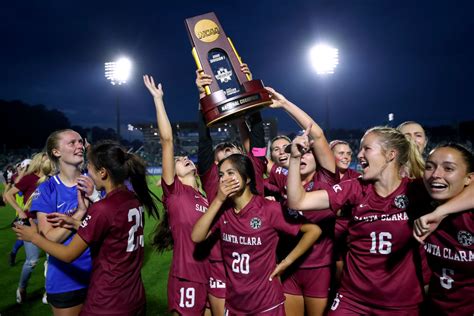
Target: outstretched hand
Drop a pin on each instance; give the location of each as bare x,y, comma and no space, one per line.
202,80
155,90
61,220
25,232
277,98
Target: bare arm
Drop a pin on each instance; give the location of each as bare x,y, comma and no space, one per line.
203,225
298,198
10,198
320,146
66,253
428,223
164,128
311,233
60,234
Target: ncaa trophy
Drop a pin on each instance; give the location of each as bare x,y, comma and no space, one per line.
231,93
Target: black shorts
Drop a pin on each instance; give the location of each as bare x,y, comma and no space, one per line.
67,299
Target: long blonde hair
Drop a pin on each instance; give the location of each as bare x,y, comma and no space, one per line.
408,155
46,170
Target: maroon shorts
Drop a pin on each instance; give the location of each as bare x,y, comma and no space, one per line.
310,282
343,306
186,297
278,310
217,279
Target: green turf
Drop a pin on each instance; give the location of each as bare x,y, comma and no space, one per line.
154,272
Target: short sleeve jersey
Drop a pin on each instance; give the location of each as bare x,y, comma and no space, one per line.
53,196
210,183
28,185
450,253
321,253
185,206
249,239
113,229
381,265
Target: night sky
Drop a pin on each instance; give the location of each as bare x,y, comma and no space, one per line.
412,58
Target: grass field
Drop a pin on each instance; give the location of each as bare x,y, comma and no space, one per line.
154,272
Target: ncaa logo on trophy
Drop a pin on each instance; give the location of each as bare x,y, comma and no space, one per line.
231,93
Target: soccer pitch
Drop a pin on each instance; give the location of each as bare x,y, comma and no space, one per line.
154,272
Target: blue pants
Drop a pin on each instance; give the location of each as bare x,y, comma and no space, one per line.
17,246
32,257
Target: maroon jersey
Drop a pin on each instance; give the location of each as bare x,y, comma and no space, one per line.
113,229
185,206
450,253
210,183
321,253
249,241
380,267
27,185
342,222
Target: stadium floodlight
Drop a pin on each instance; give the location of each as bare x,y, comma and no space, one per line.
324,58
118,72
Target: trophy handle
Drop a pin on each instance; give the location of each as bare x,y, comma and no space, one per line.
199,66
236,54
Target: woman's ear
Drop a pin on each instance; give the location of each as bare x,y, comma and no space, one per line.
103,173
468,179
390,155
56,153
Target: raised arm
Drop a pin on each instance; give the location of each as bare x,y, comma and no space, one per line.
298,198
320,146
164,129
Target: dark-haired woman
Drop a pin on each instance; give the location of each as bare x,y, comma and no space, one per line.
449,176
184,203
113,229
248,230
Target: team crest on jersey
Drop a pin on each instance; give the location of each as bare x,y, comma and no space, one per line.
401,201
255,223
465,238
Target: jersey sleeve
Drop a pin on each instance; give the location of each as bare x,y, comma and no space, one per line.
175,188
280,223
342,193
43,199
95,225
23,184
325,176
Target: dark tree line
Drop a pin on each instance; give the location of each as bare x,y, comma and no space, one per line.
26,126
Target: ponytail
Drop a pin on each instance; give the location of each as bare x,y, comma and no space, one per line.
136,171
415,164
162,237
121,166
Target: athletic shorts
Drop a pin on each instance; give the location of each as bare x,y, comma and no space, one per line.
217,279
343,306
186,297
308,282
278,310
67,299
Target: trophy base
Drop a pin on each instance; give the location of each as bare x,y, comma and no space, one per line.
218,109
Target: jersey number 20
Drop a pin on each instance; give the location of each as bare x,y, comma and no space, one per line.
135,241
